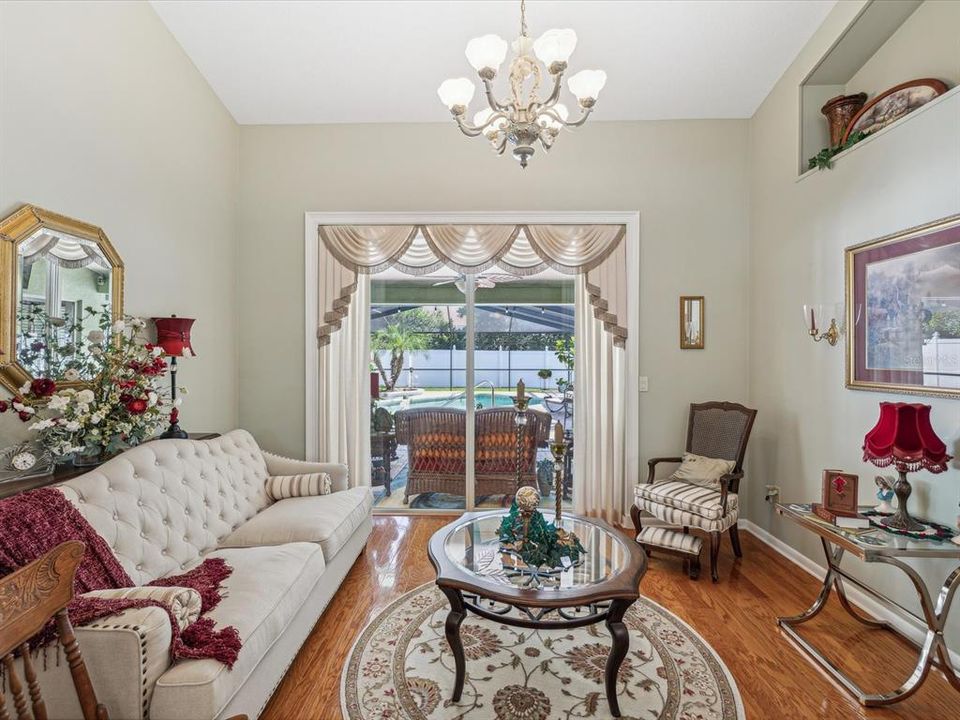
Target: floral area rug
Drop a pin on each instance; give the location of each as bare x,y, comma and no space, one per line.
401,667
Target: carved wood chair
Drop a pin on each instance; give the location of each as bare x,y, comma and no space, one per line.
29,597
715,430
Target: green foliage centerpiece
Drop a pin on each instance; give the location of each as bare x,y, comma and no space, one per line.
543,548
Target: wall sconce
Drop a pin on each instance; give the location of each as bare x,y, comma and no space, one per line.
812,315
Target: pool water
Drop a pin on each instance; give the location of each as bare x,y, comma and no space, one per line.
482,399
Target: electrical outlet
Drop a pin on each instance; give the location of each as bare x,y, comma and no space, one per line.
643,384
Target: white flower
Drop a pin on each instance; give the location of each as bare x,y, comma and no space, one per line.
157,351
95,419
95,336
178,402
85,396
42,425
119,326
19,407
58,402
138,323
72,426
71,375
152,398
25,388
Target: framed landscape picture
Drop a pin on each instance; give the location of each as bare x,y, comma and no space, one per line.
903,311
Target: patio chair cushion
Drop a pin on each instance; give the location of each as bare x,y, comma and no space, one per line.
683,496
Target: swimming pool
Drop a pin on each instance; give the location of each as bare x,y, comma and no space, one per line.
482,399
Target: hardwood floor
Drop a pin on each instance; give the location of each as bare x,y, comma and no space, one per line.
737,617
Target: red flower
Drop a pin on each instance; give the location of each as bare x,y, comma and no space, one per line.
43,387
126,384
24,415
136,406
3,406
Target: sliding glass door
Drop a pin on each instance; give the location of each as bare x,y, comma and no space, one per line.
447,352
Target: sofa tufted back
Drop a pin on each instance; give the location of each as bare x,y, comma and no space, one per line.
163,505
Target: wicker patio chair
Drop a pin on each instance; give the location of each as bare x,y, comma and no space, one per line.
715,430
436,449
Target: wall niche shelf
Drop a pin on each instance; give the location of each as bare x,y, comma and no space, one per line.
873,26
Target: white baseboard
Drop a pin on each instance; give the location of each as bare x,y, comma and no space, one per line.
904,623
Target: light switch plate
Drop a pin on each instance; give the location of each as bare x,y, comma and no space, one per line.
643,384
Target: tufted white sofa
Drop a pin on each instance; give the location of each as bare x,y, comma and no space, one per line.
165,506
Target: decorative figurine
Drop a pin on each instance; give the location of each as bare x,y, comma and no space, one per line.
884,495
528,500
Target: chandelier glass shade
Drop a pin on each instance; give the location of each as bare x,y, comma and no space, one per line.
524,118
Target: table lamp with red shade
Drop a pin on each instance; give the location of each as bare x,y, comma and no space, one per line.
904,438
173,335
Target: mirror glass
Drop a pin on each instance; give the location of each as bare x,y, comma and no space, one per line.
58,276
691,323
59,279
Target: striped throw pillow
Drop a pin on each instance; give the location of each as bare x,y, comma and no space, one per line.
280,487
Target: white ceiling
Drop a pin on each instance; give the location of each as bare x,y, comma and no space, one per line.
281,62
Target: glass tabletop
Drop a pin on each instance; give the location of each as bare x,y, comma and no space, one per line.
872,541
474,547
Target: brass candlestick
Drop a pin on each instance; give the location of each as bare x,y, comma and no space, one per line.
520,404
559,449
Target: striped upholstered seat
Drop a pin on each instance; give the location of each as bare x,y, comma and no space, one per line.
694,499
687,518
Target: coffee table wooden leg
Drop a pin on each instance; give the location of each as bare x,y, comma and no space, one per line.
618,650
452,630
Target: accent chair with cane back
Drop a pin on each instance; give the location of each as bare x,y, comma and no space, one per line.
717,433
436,449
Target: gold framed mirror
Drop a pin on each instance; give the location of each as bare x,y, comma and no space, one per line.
52,268
692,328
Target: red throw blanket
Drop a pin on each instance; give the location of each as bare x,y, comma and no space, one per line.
33,523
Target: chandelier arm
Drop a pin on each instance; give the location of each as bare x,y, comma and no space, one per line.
502,146
585,113
475,130
554,95
492,101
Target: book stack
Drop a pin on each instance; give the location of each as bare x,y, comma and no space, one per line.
853,521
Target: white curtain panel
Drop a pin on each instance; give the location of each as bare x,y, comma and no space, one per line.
344,422
599,415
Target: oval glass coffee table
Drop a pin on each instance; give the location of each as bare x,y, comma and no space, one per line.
477,577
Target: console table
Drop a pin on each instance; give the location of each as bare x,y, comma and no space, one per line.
881,546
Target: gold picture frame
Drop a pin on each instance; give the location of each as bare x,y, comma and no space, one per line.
16,229
891,346
692,322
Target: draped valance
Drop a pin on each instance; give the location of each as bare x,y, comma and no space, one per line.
64,251
597,251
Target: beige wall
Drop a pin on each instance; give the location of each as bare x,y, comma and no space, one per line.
687,180
104,118
926,45
799,228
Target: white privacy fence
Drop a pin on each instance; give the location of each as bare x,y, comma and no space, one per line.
503,368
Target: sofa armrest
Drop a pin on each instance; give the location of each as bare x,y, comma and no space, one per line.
184,603
125,654
279,465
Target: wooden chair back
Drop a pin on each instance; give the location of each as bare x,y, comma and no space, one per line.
720,430
29,598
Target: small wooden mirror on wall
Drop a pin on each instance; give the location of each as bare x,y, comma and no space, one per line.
51,269
691,322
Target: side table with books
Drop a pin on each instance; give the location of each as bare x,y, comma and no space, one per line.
876,543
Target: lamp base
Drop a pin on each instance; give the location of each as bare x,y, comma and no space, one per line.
901,519
174,431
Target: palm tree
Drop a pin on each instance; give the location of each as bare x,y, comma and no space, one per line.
398,339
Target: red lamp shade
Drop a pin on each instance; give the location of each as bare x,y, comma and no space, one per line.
173,335
904,438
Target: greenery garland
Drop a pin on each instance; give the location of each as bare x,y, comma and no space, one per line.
537,542
823,160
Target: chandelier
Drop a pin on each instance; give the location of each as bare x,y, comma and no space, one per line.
524,118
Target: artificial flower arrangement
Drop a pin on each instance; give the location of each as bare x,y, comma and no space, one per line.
119,402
